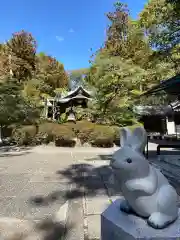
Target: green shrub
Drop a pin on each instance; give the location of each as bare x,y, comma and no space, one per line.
102,136
24,135
48,127
69,125
43,138
62,118
64,137
7,131
116,130
83,129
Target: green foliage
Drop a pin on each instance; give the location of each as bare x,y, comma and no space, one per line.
14,108
82,113
63,118
127,65
114,80
102,136
136,55
51,73
83,129
48,127
125,38
64,137
24,135
116,130
28,135
77,78
43,138
119,69
160,19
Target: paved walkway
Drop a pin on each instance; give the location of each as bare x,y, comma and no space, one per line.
41,188
44,189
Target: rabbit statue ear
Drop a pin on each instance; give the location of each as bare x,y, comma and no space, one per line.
125,133
138,139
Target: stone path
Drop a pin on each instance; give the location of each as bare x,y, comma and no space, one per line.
45,190
43,187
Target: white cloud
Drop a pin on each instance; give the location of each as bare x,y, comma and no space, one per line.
71,30
59,38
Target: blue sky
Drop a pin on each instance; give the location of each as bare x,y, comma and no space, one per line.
63,29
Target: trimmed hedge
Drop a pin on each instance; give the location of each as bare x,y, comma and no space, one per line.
65,135
28,135
102,136
83,130
116,135
24,135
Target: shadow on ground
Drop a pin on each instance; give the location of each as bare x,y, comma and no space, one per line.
47,200
89,179
46,229
13,154
10,151
85,179
52,230
14,148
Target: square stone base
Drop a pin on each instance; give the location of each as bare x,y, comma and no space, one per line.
117,225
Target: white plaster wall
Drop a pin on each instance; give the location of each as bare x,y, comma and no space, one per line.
171,128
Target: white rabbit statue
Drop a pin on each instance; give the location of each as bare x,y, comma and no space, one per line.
146,191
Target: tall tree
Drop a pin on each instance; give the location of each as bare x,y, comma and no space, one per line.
21,50
117,30
4,61
14,108
161,20
125,37
125,67
50,73
114,79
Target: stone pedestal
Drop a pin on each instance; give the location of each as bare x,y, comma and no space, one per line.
117,225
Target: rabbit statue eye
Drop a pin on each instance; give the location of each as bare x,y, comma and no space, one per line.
129,160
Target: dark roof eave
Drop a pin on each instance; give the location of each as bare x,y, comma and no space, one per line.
164,85
75,91
150,111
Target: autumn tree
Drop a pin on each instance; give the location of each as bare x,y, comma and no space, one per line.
50,74
117,30
21,50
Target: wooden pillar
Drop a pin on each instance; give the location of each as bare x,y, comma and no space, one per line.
164,125
54,110
46,109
